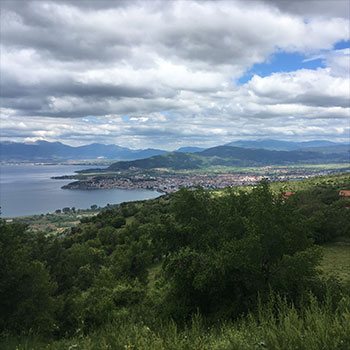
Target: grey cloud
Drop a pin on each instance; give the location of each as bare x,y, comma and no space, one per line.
337,8
71,59
321,101
55,40
311,99
71,88
212,36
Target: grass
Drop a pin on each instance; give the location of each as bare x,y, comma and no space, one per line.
316,327
312,328
336,181
336,260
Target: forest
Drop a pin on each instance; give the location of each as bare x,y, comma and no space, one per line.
235,269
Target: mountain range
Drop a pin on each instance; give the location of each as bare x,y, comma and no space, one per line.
43,151
240,152
232,156
278,145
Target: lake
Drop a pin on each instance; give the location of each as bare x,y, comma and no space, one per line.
29,189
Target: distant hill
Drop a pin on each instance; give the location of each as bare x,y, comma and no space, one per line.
231,156
278,145
43,151
174,160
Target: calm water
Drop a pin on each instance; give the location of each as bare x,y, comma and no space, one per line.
29,189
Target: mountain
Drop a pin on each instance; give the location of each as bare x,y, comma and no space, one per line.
190,149
338,148
278,145
43,151
234,153
231,156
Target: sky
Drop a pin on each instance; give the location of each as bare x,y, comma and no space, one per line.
167,74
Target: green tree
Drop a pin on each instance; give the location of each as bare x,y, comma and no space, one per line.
235,248
26,288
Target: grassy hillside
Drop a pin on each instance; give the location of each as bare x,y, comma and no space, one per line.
336,260
316,328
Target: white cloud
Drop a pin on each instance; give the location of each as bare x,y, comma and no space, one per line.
171,70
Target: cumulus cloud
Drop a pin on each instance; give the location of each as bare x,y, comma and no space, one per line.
139,73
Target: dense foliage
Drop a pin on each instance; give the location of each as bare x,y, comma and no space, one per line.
192,253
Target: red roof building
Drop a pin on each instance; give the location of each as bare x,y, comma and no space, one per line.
344,193
287,194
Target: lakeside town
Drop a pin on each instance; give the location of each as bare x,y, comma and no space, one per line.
172,182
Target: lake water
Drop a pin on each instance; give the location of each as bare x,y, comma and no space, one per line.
29,189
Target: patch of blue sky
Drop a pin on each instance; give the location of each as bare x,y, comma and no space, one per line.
125,118
344,44
281,62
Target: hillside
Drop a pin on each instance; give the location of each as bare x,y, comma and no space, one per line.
174,160
191,270
231,156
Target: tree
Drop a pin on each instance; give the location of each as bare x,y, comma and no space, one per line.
236,247
118,221
26,288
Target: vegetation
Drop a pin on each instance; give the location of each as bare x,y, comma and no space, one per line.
229,156
275,326
57,222
336,260
194,270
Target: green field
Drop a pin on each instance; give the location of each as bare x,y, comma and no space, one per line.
336,260
53,223
336,181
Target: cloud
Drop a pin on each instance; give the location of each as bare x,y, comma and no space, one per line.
316,88
312,8
171,70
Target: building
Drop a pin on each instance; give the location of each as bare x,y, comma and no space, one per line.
287,194
344,193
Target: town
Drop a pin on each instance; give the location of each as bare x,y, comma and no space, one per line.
166,182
